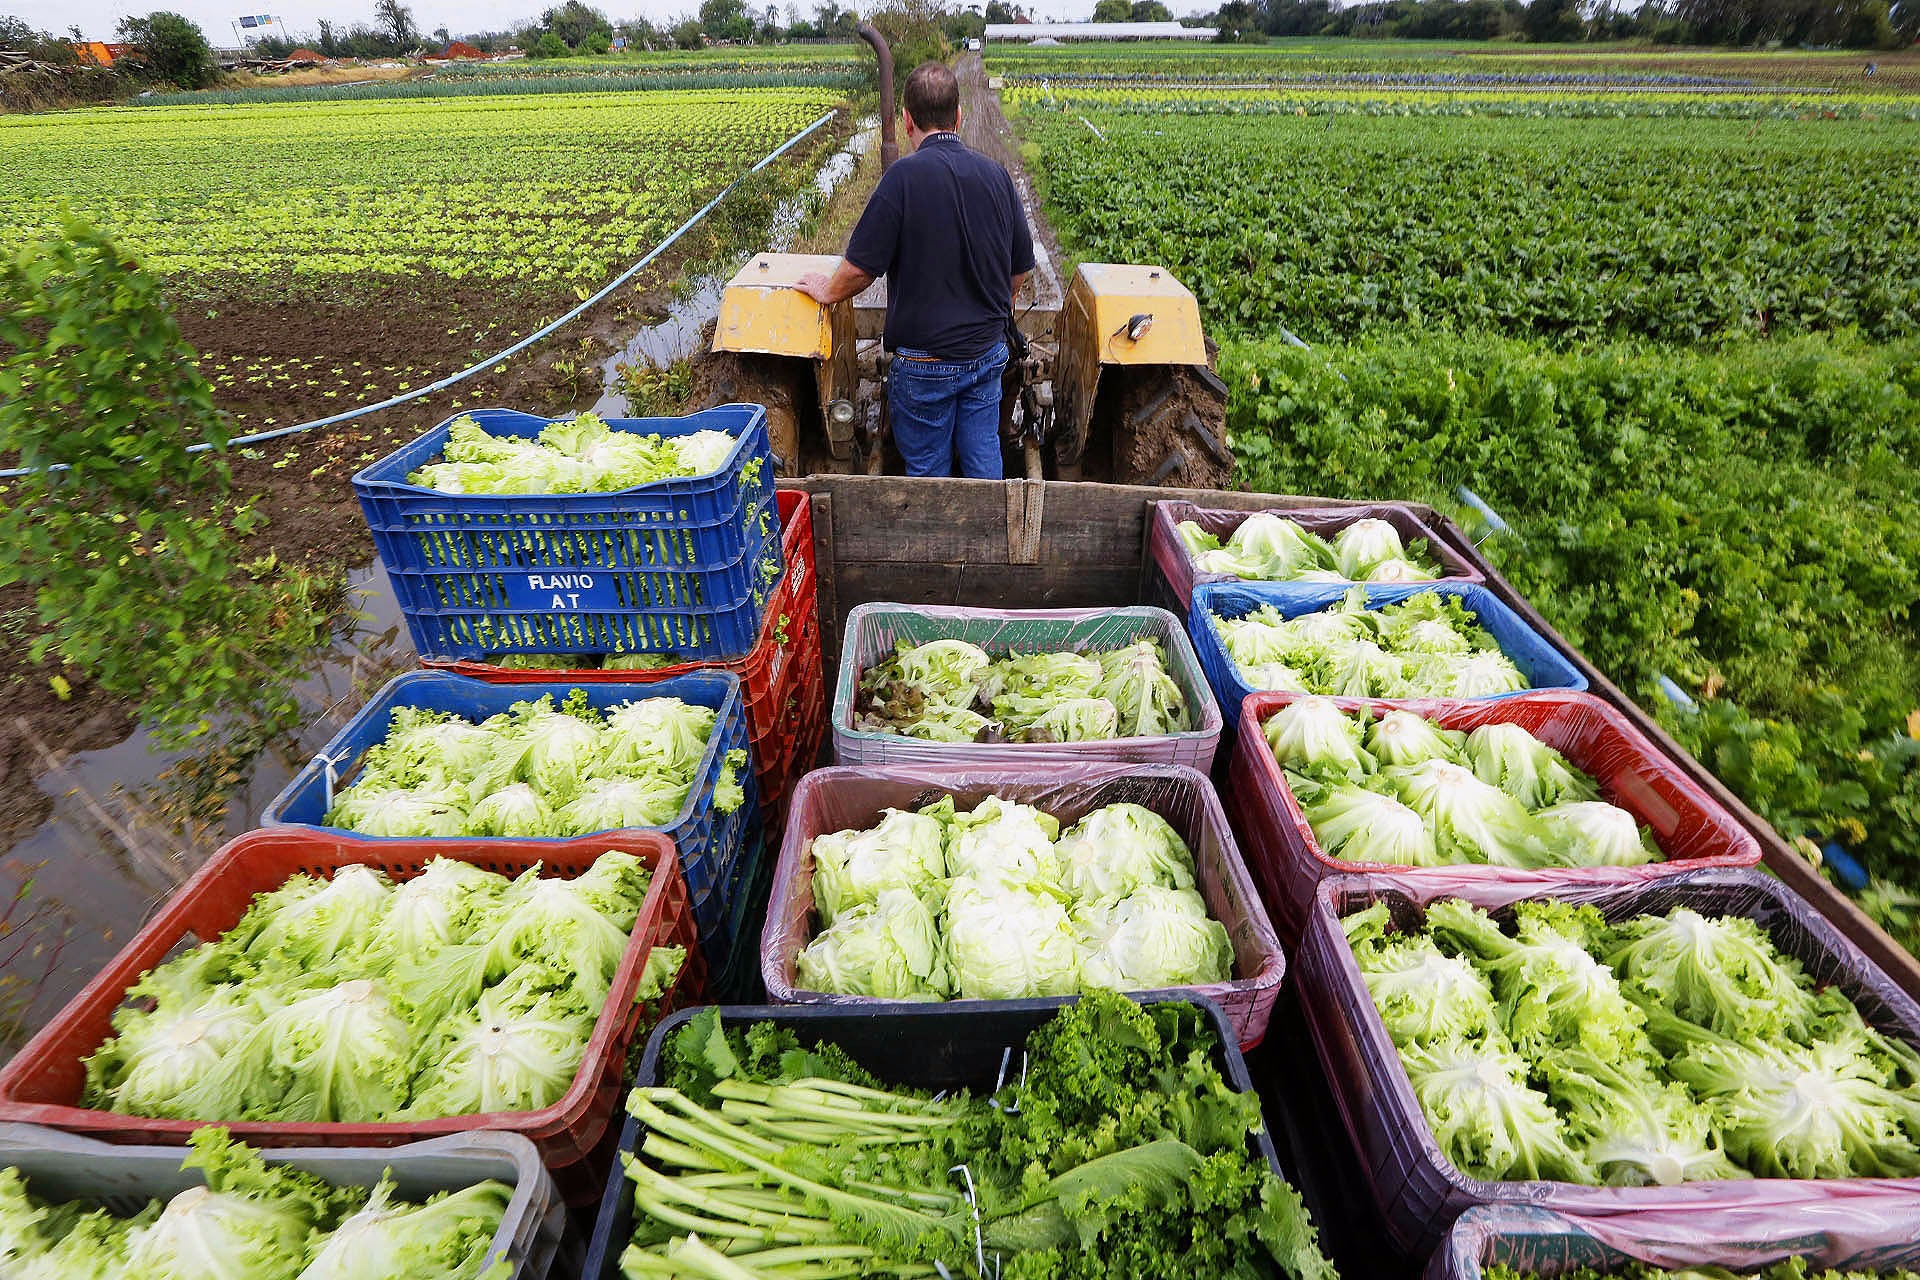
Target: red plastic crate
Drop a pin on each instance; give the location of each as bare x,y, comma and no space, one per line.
1692,831
44,1082
760,672
853,796
794,750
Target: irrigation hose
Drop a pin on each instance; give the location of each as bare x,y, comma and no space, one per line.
543,332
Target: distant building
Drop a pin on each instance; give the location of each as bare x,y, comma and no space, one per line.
1024,30
99,54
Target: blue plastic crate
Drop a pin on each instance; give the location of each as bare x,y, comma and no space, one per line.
1542,665
683,566
732,947
709,842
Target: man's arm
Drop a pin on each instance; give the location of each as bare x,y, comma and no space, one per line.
846,281
1019,283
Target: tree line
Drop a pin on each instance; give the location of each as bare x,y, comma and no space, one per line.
1863,24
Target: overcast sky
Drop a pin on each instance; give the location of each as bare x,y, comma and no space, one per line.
97,18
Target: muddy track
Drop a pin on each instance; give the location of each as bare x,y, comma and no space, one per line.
984,127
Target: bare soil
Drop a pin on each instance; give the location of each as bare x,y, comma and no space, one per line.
302,482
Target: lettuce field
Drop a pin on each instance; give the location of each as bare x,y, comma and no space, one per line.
1665,322
327,254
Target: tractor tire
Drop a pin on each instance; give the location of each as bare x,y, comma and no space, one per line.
1170,427
783,386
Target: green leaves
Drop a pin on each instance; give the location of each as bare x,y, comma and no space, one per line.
105,387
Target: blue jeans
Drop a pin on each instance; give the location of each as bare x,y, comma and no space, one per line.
943,409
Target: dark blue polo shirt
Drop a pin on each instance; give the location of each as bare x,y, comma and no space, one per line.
946,229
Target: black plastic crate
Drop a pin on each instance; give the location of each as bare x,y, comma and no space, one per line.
957,1045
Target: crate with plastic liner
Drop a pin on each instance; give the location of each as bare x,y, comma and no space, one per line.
967,687
472,1206
1342,543
1687,1044
1856,1233
919,883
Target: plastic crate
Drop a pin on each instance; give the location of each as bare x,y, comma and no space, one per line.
737,979
44,1083
1174,564
853,798
761,671
1543,666
1849,1230
683,566
798,742
1418,1191
873,629
60,1166
1690,827
951,1046
708,840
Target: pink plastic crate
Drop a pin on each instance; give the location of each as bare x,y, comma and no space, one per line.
842,798
1176,576
1418,1191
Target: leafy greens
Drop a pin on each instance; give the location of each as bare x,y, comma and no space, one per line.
999,903
535,770
1426,646
953,691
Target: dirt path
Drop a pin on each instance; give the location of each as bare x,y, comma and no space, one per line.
984,127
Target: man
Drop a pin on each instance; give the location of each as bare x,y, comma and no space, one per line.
946,229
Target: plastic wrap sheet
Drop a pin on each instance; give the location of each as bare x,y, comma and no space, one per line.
1418,1190
873,629
1175,564
853,798
1692,830
1867,1228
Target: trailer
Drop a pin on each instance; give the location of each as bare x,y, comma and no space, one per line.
1066,544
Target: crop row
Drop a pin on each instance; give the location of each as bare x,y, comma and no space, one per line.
542,77
526,189
1333,99
1560,229
1843,71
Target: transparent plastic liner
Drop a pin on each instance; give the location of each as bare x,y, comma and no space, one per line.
45,1081
873,629
59,1166
1692,830
1849,1228
1174,562
1418,1191
842,798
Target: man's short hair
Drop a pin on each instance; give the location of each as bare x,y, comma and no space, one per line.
933,97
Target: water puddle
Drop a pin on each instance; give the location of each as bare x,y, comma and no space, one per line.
114,846
677,336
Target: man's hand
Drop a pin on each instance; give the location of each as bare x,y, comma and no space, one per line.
844,283
817,287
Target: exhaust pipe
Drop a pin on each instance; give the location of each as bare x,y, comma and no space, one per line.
889,143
